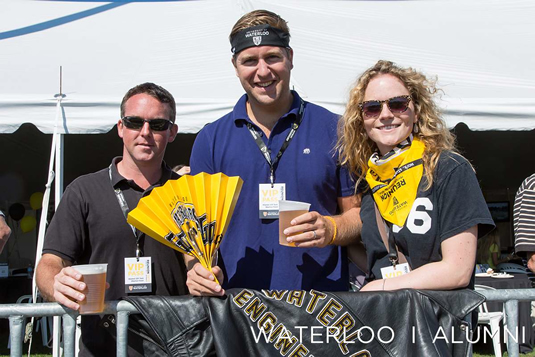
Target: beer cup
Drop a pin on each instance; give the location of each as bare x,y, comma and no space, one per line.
288,210
94,277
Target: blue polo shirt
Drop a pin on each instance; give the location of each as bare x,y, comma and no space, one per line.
250,254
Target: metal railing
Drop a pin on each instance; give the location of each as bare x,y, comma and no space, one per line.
18,312
122,310
510,298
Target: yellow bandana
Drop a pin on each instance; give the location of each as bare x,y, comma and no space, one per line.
394,180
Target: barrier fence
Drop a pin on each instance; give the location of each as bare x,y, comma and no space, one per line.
16,313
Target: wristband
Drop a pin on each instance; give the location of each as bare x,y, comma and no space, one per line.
335,228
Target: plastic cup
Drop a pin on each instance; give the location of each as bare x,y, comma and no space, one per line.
94,277
288,210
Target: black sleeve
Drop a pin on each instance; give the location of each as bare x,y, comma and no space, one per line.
461,202
67,231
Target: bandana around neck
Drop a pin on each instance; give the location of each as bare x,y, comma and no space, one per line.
394,179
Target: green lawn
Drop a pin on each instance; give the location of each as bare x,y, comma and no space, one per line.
532,354
37,346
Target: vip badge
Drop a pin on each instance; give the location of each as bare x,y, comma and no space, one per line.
137,274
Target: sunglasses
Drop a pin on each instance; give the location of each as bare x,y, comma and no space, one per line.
154,124
397,105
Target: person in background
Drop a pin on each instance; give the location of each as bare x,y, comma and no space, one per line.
422,210
282,148
182,170
489,252
5,231
90,223
524,221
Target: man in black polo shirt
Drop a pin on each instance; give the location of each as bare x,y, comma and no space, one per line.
90,223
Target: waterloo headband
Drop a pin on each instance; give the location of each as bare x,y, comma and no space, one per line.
261,35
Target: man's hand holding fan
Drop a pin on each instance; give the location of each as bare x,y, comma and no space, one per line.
190,214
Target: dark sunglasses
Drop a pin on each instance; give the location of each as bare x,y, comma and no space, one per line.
397,105
154,124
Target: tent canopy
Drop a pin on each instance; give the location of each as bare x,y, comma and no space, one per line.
479,50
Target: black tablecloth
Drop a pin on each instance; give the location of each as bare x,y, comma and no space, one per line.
520,281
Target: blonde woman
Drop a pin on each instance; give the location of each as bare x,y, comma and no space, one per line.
488,250
422,203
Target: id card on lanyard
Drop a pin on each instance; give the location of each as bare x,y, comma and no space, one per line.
399,265
269,194
137,275
395,270
138,269
268,200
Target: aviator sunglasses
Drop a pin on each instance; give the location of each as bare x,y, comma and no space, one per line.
154,124
397,105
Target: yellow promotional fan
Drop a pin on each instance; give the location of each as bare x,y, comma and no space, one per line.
190,214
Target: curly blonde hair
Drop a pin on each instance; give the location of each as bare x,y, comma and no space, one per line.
354,145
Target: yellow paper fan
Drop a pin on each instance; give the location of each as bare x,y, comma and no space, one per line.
190,214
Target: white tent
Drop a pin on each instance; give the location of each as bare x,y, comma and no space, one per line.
481,52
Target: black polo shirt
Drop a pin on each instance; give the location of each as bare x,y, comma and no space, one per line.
89,227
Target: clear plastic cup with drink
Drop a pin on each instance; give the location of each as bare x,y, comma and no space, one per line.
288,210
94,277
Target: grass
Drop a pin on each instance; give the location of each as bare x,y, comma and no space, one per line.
486,350
505,354
37,345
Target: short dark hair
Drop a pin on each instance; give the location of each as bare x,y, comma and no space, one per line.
259,17
155,91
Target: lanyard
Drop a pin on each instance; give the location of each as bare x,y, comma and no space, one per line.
263,148
124,207
392,247
387,236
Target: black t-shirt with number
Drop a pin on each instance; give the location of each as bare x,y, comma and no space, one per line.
453,204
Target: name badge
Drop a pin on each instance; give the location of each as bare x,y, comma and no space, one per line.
269,199
390,272
137,275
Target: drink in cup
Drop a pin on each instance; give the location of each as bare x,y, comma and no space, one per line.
288,210
94,277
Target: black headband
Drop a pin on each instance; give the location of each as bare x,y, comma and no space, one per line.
261,35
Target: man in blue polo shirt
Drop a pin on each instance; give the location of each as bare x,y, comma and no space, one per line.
282,148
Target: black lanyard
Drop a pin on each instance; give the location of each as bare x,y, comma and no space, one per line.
124,207
263,148
392,247
387,236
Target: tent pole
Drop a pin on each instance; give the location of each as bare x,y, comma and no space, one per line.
57,142
59,169
56,348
